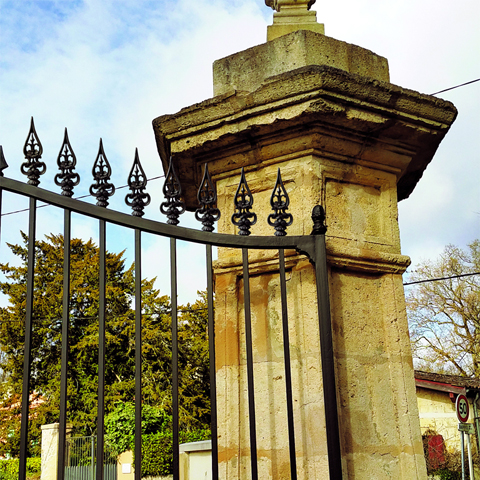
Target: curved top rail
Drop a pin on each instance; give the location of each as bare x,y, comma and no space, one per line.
303,243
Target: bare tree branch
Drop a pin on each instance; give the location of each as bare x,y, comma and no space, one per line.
444,316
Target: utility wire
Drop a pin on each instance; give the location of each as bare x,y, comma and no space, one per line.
441,278
76,198
456,86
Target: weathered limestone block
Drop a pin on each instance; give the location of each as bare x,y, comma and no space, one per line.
272,438
248,70
356,145
374,368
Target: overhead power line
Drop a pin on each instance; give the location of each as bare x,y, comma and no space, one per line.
441,278
456,86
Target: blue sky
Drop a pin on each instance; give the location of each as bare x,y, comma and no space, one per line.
107,68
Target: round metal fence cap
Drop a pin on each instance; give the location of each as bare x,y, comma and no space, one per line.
462,408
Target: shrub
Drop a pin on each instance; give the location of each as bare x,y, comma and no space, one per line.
157,441
9,468
120,425
156,454
34,466
451,466
157,450
447,474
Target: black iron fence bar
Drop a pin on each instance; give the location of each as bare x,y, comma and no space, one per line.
213,372
328,367
173,295
101,349
3,166
1,196
138,354
250,381
288,371
62,434
27,358
304,243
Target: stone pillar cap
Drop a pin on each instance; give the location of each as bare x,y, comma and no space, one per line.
385,126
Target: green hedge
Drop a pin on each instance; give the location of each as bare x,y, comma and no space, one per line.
447,474
120,425
157,450
9,468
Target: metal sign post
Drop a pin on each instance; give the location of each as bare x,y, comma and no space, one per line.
462,408
470,460
468,429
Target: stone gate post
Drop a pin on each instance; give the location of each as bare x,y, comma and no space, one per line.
49,453
325,113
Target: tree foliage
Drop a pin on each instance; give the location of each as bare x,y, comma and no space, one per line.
444,316
83,342
120,425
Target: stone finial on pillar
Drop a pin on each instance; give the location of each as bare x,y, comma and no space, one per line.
277,4
292,15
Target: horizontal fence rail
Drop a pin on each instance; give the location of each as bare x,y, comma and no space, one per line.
304,244
313,246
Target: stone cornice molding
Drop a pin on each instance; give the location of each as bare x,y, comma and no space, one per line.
338,102
359,259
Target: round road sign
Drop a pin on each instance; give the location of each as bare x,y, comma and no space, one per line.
462,408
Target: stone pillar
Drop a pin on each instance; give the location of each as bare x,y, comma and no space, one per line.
50,445
325,113
49,451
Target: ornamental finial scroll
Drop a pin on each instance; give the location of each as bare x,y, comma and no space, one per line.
279,201
102,189
66,161
244,218
3,162
172,190
208,214
33,150
137,182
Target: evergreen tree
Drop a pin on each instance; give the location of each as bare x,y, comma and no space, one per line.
83,342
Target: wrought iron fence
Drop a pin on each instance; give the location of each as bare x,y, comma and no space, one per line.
313,246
